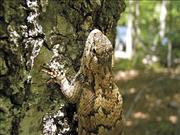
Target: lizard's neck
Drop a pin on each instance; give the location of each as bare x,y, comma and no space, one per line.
104,79
99,78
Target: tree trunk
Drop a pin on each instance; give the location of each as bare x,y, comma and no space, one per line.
130,29
162,19
169,55
29,33
162,25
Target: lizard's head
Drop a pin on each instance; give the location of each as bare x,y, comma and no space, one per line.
98,50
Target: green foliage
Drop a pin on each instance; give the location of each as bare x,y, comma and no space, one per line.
149,25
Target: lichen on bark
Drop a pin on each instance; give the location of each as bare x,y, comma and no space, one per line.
24,96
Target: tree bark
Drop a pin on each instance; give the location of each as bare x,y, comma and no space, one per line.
29,31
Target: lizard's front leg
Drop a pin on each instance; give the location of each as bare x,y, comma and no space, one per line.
70,89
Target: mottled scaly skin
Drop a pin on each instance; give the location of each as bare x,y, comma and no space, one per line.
98,98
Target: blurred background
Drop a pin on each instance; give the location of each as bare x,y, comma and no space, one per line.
147,66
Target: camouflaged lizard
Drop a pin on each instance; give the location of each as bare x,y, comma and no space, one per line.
98,98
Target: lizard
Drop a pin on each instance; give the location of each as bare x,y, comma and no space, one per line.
99,101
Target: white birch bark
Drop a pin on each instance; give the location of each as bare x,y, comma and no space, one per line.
162,23
162,18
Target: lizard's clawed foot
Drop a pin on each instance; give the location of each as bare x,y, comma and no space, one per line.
55,74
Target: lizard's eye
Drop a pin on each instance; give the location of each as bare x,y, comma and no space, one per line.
62,72
94,51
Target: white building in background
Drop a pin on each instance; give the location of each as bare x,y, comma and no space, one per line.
123,43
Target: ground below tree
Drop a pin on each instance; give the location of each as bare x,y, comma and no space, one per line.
151,101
